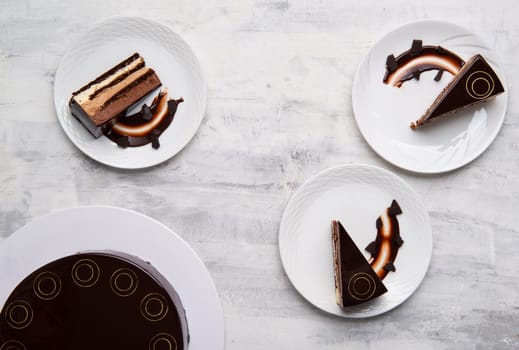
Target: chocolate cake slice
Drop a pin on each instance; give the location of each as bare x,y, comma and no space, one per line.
476,82
112,93
355,280
97,300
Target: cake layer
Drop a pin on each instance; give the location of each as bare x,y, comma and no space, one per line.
96,300
111,94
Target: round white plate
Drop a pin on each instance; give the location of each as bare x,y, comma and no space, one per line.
108,43
100,228
383,113
356,195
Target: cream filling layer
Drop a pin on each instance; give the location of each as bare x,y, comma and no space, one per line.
84,96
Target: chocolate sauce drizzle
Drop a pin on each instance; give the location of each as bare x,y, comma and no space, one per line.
140,120
418,59
384,248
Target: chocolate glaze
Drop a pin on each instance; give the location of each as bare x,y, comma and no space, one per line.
95,300
161,108
355,280
411,63
476,82
384,248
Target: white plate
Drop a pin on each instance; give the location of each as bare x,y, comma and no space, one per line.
99,228
383,113
107,44
356,195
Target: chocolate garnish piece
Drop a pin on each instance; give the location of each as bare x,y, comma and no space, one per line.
173,105
416,48
391,63
394,209
355,280
475,83
389,266
398,241
95,300
146,113
441,50
154,137
371,248
388,240
378,223
438,75
416,74
421,59
122,141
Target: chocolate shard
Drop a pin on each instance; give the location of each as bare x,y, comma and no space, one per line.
173,105
441,50
389,266
438,75
154,136
416,47
391,63
398,241
372,248
146,113
123,141
378,223
394,209
416,74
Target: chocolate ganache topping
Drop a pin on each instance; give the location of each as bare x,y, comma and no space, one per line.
96,300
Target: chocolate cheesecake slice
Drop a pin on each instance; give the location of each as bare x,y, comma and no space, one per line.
476,82
355,280
112,93
101,300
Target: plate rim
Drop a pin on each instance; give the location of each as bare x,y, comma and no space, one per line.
185,245
442,170
84,34
353,166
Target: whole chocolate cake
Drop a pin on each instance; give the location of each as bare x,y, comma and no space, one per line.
95,300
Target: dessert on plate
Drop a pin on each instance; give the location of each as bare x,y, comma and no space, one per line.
358,280
94,300
473,82
102,105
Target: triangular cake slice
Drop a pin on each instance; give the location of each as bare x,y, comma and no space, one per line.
355,280
476,82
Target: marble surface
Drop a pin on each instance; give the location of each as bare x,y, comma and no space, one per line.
279,76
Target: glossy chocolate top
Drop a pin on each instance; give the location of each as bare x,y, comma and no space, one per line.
94,301
358,282
476,82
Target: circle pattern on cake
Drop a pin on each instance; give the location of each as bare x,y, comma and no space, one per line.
361,286
12,345
90,301
480,85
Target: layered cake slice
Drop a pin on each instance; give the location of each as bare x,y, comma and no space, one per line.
97,300
355,280
476,82
112,93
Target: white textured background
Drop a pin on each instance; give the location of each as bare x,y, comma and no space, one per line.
280,76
